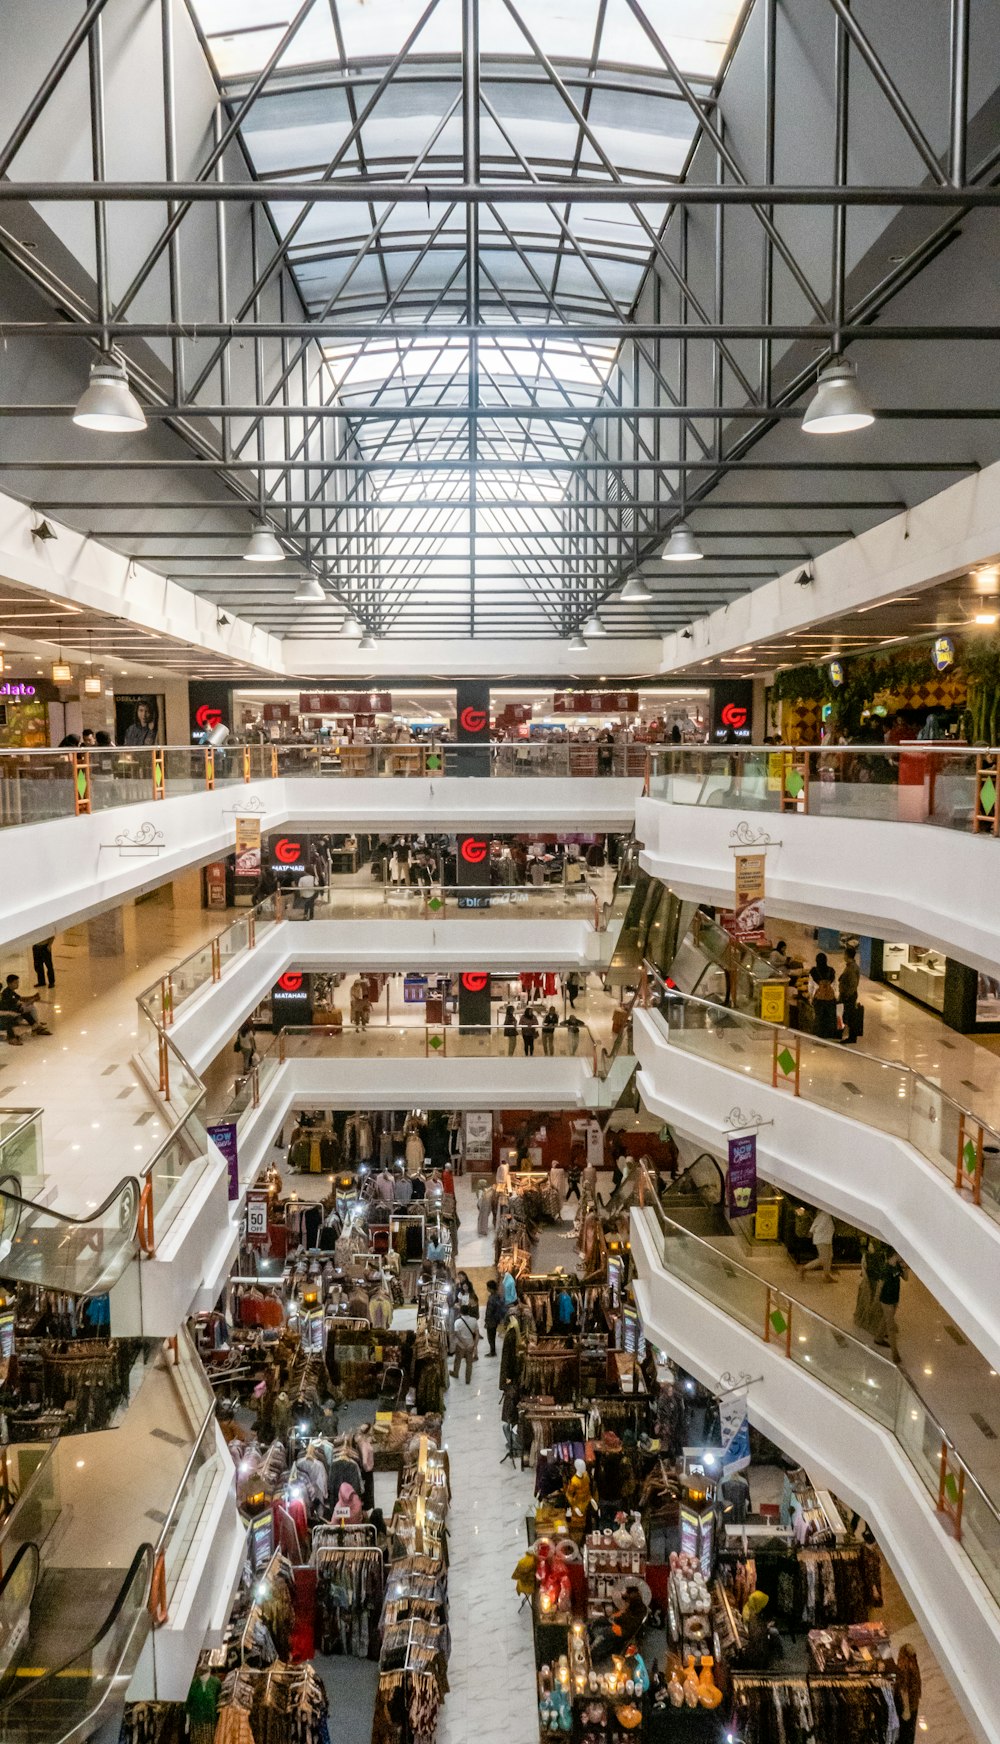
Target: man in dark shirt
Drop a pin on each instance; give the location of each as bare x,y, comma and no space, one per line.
11,1001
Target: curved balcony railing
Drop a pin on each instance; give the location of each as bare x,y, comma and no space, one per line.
885,1094
836,1359
954,788
36,786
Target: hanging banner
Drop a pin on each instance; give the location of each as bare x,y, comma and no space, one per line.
741,1179
735,1426
247,873
748,913
224,1139
478,1136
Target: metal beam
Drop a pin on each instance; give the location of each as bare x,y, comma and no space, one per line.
350,190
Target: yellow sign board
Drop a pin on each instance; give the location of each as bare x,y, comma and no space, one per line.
766,1221
773,1001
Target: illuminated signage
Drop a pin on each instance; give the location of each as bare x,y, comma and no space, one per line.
474,850
17,690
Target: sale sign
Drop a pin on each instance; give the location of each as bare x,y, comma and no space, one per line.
741,1178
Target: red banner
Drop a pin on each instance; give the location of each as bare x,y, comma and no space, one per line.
595,702
345,702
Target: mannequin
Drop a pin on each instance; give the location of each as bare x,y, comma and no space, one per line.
578,1498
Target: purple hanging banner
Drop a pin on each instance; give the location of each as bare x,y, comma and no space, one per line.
224,1138
741,1180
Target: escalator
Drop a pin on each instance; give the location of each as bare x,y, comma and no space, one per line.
61,1678
83,1256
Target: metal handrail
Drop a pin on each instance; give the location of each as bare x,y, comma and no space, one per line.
742,1017
144,1555
651,1202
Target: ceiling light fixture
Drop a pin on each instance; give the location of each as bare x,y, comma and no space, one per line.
576,644
636,591
682,546
108,403
368,642
350,629
593,626
837,406
985,618
308,592
93,684
262,546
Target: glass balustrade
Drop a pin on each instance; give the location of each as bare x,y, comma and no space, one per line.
883,1094
895,784
836,1359
21,1146
36,786
389,1039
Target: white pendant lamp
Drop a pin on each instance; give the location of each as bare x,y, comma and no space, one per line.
262,546
682,547
109,404
636,591
576,644
308,592
368,642
837,407
350,629
593,627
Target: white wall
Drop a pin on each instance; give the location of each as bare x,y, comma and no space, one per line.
848,1453
895,880
869,1178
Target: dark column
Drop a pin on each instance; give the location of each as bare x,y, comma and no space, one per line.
472,709
474,998
961,985
209,705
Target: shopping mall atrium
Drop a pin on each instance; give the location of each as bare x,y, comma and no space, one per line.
499,872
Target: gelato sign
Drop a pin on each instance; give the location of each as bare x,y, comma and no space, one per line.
17,690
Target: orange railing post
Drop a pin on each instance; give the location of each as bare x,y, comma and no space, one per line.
159,776
80,761
969,1158
210,767
252,928
645,779
951,1490
144,1224
274,762
170,1000
986,810
786,1060
247,771
163,1054
281,1046
255,1084
158,1591
216,960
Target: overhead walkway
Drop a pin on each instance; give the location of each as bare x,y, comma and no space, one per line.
85,830
856,1423
899,843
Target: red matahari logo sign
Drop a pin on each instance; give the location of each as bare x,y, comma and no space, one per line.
474,981
733,715
287,851
291,982
208,717
474,850
472,720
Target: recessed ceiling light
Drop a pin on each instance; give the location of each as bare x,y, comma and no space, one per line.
985,618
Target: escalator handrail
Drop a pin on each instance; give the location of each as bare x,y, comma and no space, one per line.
28,1548
17,1198
145,1553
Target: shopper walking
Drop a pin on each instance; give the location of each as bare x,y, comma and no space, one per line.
550,1023
908,1692
892,1277
307,889
529,1030
246,1046
496,1314
821,1236
573,988
510,1028
847,987
41,957
465,1343
573,1028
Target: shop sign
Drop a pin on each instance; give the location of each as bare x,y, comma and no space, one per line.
732,707
741,1177
261,1540
690,1524
257,1215
943,653
223,1137
478,1136
345,702
312,1331
773,999
17,690
836,671
247,860
748,912
6,1333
